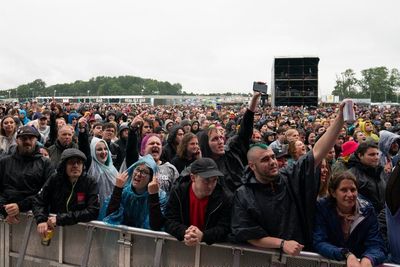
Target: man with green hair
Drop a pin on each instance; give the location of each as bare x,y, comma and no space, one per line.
275,208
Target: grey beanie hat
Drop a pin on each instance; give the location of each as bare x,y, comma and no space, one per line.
72,153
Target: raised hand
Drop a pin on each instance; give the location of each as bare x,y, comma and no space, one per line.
197,154
121,179
138,120
153,187
82,122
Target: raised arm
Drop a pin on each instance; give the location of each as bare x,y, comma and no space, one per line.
246,126
327,141
53,129
132,152
83,141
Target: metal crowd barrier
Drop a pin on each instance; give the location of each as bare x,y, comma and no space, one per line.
99,244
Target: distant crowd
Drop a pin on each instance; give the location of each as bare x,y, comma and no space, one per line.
287,178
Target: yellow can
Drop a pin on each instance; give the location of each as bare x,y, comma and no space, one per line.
46,240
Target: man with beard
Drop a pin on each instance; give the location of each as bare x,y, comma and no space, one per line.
275,208
389,147
22,174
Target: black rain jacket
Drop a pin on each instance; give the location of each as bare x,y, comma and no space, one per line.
218,213
72,203
21,178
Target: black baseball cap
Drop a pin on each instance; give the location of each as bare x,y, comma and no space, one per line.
281,153
27,131
205,167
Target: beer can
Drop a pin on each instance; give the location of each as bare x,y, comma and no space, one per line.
349,115
46,240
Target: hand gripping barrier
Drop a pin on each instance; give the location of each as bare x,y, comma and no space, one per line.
99,244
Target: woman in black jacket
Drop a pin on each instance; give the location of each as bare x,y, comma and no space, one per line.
231,157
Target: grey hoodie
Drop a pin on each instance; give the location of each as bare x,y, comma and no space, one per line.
386,139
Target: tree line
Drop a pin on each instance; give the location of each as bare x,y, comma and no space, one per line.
99,86
378,84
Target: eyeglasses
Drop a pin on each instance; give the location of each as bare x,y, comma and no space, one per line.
142,172
74,161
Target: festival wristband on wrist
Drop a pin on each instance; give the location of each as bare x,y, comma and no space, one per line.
281,249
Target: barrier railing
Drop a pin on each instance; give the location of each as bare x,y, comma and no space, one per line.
99,244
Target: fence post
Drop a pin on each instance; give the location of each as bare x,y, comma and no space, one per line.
88,244
125,241
236,256
60,244
6,245
197,256
275,262
158,253
2,243
25,241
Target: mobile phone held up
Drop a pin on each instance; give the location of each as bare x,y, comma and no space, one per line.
260,87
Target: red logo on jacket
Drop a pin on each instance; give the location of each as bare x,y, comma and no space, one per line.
80,198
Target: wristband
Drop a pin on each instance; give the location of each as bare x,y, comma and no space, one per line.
281,249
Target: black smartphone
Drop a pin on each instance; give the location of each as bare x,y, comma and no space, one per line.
260,87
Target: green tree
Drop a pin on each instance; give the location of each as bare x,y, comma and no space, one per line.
346,84
101,85
379,83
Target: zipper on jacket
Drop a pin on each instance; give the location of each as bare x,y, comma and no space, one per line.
69,198
180,206
209,215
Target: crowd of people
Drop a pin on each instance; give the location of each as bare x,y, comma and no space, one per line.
286,178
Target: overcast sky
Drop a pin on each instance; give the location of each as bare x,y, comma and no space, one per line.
207,46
